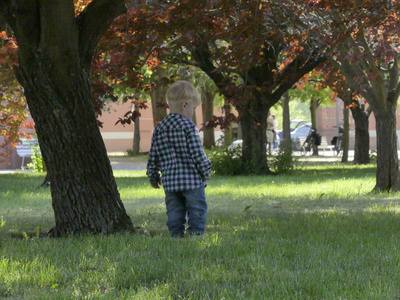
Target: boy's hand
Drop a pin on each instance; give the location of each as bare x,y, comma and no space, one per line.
155,184
207,178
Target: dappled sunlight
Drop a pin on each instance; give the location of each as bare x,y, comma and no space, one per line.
28,271
130,174
392,207
291,248
298,231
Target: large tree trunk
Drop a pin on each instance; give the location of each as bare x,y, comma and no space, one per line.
208,111
361,145
84,193
254,125
55,52
387,175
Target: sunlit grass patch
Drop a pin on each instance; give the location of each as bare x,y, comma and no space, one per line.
318,233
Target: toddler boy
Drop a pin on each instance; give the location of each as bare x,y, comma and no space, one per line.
176,151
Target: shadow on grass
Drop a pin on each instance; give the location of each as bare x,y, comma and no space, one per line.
307,175
227,194
318,256
334,171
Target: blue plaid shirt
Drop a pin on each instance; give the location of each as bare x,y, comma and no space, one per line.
177,152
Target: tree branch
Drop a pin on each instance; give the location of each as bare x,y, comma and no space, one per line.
24,19
4,5
394,86
202,56
300,66
369,111
93,23
367,49
3,22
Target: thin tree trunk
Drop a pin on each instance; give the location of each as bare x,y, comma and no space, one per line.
387,175
228,130
345,153
158,100
208,110
136,133
287,140
314,103
361,145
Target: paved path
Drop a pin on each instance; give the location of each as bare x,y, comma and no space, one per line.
120,165
117,166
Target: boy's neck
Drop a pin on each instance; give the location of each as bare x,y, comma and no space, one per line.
175,111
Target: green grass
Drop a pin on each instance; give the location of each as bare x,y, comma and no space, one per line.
315,234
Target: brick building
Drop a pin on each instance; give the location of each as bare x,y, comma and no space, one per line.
328,118
119,138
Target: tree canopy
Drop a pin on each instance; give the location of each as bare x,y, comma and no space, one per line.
361,39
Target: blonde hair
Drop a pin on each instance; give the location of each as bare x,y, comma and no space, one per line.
183,91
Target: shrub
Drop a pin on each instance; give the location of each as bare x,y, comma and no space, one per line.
226,162
283,162
37,159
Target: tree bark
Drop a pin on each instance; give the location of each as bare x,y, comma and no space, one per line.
345,153
158,100
387,175
84,193
54,71
314,103
228,130
208,111
136,133
253,122
287,140
361,145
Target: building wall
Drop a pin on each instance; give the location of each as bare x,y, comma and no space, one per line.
119,138
328,117
14,161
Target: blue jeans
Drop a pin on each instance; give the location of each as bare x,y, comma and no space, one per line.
193,202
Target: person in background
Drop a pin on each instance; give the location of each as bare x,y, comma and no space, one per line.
275,144
270,132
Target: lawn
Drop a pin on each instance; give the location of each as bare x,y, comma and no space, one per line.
315,234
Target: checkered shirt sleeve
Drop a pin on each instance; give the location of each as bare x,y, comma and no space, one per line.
176,151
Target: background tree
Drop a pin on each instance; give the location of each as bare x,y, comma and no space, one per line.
338,83
247,49
309,90
287,139
55,51
13,113
361,39
361,114
13,110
